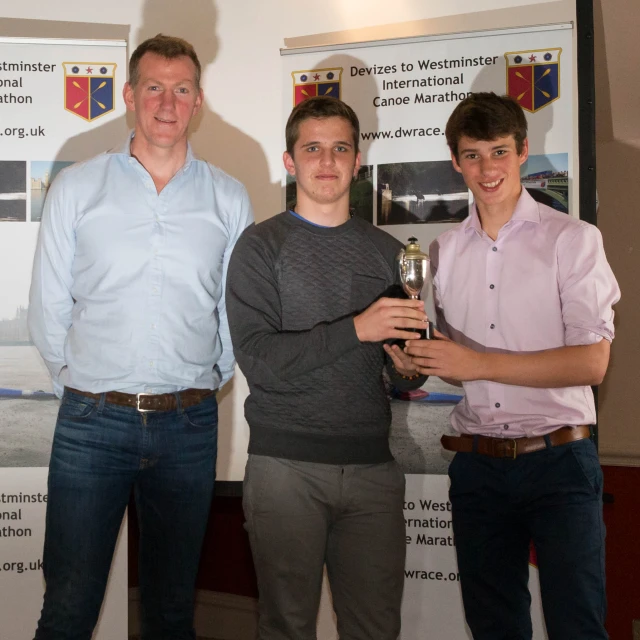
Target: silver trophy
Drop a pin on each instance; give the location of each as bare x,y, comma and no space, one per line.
413,267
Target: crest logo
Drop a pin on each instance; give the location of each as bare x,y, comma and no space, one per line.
533,77
89,88
317,82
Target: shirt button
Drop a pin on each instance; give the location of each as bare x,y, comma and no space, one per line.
492,326
497,405
494,249
491,286
506,426
151,363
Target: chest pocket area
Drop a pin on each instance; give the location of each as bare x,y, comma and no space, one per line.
365,290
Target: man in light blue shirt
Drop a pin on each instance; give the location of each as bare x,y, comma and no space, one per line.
128,312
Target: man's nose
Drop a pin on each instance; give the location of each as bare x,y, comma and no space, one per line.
168,99
327,157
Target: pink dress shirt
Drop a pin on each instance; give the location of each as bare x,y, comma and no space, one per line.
544,283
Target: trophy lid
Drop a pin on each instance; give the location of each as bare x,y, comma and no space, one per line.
412,250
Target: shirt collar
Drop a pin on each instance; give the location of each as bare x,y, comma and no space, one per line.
125,149
526,210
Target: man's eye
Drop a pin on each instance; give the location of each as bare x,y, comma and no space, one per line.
183,90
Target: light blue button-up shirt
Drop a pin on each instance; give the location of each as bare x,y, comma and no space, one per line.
128,284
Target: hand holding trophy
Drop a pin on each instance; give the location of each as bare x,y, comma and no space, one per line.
413,267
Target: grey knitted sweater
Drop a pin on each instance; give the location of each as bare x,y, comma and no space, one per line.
316,392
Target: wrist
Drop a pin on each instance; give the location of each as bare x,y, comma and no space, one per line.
482,368
406,374
357,325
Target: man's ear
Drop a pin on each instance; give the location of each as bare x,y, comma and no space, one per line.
356,168
198,104
127,94
454,161
289,165
524,155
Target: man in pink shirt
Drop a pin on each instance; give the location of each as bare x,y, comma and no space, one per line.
524,299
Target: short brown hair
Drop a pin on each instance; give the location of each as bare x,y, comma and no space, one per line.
320,107
166,46
486,116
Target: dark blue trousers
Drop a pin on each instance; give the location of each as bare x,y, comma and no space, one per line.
100,453
552,497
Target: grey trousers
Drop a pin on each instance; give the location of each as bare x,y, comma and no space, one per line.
301,515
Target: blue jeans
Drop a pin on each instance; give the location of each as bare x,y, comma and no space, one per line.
100,452
552,497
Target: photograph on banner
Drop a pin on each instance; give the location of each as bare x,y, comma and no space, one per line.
53,100
421,192
42,176
403,93
546,178
13,191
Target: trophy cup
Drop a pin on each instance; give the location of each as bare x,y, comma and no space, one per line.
413,267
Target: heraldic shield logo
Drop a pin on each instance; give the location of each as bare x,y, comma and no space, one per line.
317,82
89,88
533,77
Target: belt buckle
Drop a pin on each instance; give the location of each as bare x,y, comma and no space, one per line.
506,443
138,395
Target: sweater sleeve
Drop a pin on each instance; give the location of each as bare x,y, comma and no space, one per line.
263,350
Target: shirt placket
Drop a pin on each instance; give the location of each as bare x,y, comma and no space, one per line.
494,332
156,282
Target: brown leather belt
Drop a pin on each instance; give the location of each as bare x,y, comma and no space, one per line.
513,447
146,402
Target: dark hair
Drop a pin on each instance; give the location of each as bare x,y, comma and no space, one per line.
486,116
320,107
166,46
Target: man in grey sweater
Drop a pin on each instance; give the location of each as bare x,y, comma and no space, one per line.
309,312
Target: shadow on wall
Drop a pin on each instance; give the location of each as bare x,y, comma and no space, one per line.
212,137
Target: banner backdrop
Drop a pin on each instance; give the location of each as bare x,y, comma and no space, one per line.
403,92
54,94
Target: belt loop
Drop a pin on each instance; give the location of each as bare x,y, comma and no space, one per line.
547,441
474,448
592,434
103,399
178,403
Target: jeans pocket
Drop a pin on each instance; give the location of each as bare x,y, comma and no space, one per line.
256,482
203,415
75,407
586,457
